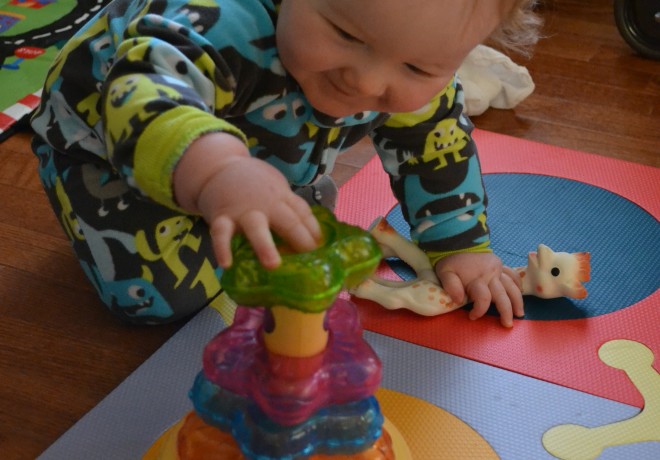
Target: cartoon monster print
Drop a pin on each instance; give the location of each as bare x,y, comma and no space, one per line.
192,70
102,50
411,159
71,49
62,122
283,115
208,278
131,299
269,58
105,187
67,217
100,250
200,15
47,171
255,43
152,88
444,144
434,216
170,235
77,229
357,119
298,165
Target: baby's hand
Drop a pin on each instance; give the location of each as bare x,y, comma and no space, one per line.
484,280
251,196
238,193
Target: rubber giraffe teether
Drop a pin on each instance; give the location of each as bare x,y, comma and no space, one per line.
548,274
576,442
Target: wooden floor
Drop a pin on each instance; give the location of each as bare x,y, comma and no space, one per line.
61,352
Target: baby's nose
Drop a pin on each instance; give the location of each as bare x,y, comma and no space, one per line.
365,80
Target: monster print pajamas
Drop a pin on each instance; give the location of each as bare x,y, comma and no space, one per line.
142,80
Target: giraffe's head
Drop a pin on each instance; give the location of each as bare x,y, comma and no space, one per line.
557,274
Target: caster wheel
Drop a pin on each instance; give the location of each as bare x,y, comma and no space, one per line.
638,22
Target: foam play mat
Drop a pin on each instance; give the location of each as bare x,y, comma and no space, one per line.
573,379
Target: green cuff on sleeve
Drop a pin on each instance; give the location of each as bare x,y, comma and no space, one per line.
162,144
435,256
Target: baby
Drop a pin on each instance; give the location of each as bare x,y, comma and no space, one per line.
166,126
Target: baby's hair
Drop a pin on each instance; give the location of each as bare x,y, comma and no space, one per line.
519,31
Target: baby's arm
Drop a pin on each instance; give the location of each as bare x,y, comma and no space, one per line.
436,177
217,178
483,279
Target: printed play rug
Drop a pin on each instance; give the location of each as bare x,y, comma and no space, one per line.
31,33
572,380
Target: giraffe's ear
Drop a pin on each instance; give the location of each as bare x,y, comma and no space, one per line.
577,291
584,266
544,254
532,261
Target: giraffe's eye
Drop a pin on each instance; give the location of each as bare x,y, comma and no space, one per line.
554,271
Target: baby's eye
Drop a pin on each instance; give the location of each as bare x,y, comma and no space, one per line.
418,71
345,35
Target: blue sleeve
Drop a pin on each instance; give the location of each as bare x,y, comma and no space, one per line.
435,174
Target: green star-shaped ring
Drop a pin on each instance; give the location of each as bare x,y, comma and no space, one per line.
308,281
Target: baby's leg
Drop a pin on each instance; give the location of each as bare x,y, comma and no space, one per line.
148,263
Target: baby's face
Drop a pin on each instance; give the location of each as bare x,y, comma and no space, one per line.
351,56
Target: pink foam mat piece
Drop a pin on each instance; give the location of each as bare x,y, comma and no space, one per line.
562,352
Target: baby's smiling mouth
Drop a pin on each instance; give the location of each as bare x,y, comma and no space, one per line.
340,89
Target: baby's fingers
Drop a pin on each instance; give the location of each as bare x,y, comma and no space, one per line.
222,229
255,227
479,293
297,226
302,210
513,275
515,295
502,301
451,283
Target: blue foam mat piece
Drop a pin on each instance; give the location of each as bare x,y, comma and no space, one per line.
528,209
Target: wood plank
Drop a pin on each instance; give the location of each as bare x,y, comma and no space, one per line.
615,99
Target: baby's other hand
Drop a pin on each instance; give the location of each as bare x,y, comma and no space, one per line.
483,279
